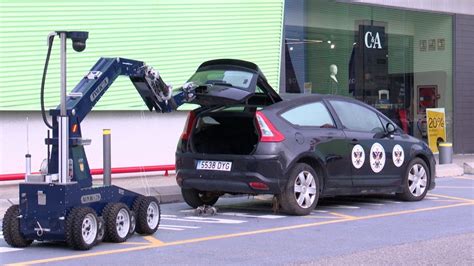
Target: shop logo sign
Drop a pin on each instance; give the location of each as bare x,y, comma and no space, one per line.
372,41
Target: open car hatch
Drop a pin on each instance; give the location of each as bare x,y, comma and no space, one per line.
229,82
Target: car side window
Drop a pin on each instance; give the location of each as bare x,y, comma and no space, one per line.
313,114
357,117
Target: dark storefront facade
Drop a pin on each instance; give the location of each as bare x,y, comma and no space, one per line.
399,61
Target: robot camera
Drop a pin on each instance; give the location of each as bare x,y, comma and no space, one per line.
78,39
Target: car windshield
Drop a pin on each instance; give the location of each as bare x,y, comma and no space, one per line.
234,78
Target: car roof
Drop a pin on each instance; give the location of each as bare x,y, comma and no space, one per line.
296,99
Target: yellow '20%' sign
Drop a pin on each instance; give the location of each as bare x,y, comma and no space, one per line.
436,124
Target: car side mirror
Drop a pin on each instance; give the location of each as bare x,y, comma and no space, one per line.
390,128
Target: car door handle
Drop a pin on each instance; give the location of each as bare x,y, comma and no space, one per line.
354,141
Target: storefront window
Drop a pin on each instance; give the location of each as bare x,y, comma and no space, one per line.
398,61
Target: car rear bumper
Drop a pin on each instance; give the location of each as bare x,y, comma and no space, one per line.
263,170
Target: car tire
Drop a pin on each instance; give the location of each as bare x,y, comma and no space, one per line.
82,228
195,198
416,181
148,215
301,193
11,228
117,222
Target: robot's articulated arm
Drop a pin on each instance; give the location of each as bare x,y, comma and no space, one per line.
154,91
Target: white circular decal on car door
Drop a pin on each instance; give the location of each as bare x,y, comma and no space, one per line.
358,156
377,157
398,155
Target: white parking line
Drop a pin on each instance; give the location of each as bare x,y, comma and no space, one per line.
7,249
170,228
389,201
343,207
373,204
202,220
180,226
432,197
246,215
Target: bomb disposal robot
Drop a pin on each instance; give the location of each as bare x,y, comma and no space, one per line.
60,203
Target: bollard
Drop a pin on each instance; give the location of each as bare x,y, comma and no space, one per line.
445,153
107,157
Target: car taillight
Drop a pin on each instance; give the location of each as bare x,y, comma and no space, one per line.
268,132
188,126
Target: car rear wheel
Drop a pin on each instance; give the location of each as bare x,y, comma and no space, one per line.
195,198
416,181
301,193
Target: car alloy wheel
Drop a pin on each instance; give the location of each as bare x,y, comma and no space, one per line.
417,180
305,189
301,192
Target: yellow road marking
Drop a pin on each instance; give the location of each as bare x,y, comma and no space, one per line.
154,241
341,215
413,211
133,243
451,197
255,232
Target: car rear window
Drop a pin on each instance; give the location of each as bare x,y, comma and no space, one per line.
234,78
312,114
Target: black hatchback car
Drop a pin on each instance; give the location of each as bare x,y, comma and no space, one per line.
244,139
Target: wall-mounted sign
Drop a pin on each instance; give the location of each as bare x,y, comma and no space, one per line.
372,40
374,36
432,45
436,125
368,65
423,45
441,44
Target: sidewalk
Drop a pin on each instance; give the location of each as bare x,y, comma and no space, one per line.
166,189
457,168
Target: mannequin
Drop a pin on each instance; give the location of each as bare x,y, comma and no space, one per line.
333,84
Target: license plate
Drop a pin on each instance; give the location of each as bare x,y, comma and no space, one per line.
214,165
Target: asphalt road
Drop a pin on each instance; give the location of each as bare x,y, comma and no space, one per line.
348,230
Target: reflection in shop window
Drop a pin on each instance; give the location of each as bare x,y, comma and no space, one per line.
398,61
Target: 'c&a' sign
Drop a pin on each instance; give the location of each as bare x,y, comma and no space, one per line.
372,40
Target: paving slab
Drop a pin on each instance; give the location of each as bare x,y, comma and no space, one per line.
449,170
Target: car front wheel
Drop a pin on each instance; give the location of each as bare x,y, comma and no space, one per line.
301,193
416,181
